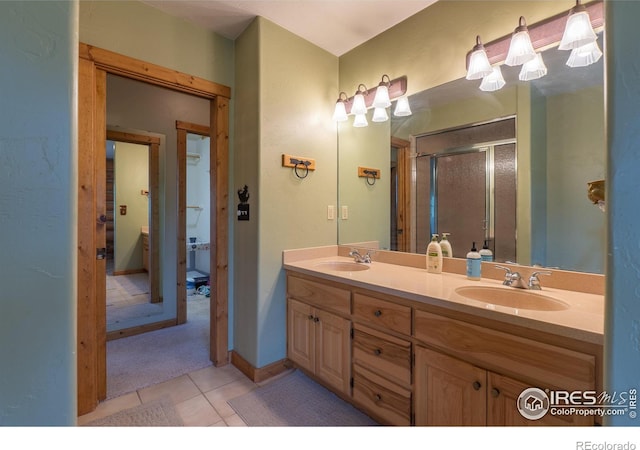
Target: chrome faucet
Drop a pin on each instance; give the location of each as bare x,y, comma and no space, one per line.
513,279
357,257
534,281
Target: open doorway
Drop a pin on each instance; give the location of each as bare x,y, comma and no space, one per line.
94,66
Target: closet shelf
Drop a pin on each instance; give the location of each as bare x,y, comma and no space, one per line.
193,155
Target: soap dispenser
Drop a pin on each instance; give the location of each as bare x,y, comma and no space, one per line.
474,263
434,255
486,254
445,245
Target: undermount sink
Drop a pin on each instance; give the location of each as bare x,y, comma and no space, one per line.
343,266
512,297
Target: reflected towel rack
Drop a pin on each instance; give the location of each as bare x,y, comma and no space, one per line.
194,207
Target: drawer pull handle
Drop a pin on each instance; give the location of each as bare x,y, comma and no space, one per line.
310,317
316,319
377,352
495,392
477,385
378,397
377,313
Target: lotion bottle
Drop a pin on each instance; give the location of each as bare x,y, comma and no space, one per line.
474,263
434,255
486,254
445,245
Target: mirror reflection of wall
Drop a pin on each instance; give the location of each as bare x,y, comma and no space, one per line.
198,215
559,149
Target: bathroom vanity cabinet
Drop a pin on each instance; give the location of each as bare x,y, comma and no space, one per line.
406,362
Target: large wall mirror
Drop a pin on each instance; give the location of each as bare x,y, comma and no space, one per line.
510,166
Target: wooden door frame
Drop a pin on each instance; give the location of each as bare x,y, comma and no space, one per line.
94,64
404,192
153,143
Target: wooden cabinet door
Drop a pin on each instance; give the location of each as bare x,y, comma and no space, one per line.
332,350
300,334
448,392
503,393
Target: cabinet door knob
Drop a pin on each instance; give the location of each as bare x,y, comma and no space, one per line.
310,317
377,313
316,319
477,385
378,397
495,392
377,352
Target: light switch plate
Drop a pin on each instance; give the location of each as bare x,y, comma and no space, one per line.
331,212
344,212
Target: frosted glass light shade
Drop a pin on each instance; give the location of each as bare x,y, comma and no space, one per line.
340,112
494,81
380,115
359,106
360,121
534,69
577,32
381,100
402,107
520,50
479,65
585,55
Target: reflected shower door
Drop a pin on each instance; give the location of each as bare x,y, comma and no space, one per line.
461,199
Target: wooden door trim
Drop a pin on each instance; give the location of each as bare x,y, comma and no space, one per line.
94,64
404,192
181,267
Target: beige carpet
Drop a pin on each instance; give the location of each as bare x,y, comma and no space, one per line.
296,400
159,413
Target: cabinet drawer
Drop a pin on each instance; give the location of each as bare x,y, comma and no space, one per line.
327,297
382,353
383,399
506,353
383,313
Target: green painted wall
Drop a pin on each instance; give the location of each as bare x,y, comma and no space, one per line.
131,165
289,101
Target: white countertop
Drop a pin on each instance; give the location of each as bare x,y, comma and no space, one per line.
583,320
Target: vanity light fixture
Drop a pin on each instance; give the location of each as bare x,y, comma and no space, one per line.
479,66
378,98
533,69
578,30
526,40
520,49
359,106
585,55
381,100
494,81
340,111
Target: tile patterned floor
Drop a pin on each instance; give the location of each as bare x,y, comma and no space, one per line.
200,397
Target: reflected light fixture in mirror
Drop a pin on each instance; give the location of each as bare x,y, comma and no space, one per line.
585,55
493,81
533,69
378,98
